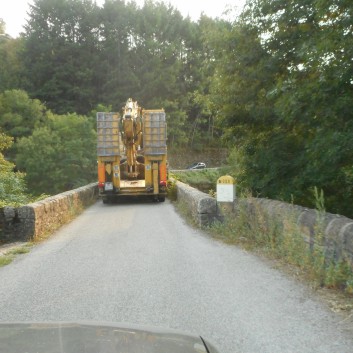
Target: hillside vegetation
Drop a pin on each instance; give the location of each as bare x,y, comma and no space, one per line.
273,86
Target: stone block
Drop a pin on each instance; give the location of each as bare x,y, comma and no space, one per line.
203,207
346,236
9,213
26,212
207,204
307,221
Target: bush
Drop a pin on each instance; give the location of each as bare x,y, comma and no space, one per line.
12,185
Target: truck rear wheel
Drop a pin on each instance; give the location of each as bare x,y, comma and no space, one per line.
108,200
161,198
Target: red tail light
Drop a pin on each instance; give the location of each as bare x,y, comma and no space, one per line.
163,183
100,185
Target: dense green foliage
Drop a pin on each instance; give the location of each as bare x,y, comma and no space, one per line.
19,114
57,152
12,185
275,86
77,55
285,86
67,159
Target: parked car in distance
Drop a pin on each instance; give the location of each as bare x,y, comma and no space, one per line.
197,165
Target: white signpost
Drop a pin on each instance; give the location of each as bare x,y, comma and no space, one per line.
226,189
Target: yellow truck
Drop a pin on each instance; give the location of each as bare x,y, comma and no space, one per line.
132,153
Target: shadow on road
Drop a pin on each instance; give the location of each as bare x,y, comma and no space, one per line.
130,200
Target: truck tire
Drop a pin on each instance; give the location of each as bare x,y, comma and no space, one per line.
161,198
108,200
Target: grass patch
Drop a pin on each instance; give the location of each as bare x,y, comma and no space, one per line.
5,260
172,190
282,239
184,210
10,255
20,250
204,180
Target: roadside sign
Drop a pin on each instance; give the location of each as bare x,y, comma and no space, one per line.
226,189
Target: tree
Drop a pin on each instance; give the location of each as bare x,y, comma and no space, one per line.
12,185
60,155
200,68
117,79
2,27
10,64
61,54
314,96
283,87
19,114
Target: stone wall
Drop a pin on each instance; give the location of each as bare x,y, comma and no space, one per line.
38,219
336,231
202,207
332,231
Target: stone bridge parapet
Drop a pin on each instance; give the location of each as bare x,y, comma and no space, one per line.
36,220
332,232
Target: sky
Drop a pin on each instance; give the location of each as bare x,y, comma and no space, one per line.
14,12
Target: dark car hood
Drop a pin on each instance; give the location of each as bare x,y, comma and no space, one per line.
95,338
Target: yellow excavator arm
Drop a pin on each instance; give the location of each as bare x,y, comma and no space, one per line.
131,130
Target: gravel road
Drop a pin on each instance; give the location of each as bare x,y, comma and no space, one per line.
140,263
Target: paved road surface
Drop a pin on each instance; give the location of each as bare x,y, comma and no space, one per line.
140,263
